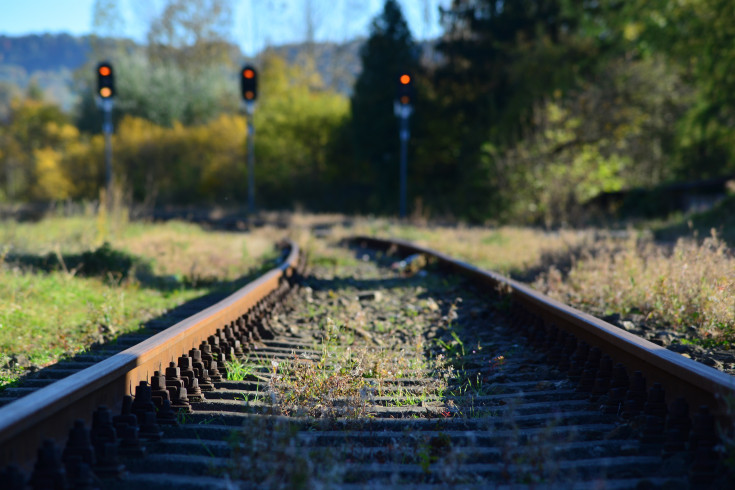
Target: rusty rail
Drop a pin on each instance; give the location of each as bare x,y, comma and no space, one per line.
680,377
51,411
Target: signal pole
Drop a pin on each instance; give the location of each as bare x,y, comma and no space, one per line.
405,134
403,109
249,88
249,110
107,129
105,94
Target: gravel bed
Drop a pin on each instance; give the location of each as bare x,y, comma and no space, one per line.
683,343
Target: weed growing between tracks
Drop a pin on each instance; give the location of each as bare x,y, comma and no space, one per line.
426,347
349,375
238,370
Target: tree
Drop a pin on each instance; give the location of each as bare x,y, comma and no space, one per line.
388,51
33,141
500,59
612,133
698,35
193,34
296,124
185,74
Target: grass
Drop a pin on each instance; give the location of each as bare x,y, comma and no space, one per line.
238,370
685,282
45,315
691,284
68,282
54,304
505,249
351,368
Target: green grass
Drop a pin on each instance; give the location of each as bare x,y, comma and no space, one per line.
68,282
47,315
238,370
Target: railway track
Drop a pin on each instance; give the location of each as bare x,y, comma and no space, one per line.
386,364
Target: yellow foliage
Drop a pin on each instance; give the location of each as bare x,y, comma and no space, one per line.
50,180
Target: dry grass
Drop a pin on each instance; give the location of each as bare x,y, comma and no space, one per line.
184,249
506,249
349,372
689,285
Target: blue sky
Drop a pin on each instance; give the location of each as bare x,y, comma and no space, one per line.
256,22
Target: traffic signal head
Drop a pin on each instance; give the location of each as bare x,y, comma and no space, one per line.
249,83
105,80
404,94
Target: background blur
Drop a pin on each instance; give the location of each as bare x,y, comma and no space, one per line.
533,111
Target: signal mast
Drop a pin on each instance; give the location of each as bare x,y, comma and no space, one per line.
249,90
105,101
403,108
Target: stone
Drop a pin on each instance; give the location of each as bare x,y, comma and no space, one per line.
370,296
680,348
19,360
432,305
628,326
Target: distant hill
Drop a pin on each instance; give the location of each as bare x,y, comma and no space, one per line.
49,59
45,52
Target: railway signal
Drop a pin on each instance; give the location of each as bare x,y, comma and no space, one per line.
105,95
403,107
249,89
249,83
405,89
105,80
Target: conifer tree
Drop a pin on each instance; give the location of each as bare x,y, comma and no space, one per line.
388,51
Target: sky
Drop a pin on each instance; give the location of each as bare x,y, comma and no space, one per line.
256,22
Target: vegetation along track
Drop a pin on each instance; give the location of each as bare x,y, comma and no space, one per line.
386,365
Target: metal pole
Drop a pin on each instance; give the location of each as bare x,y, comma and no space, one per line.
107,129
404,156
249,110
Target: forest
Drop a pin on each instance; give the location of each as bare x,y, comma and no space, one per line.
525,112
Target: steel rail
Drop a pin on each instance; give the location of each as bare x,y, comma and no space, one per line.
51,411
697,383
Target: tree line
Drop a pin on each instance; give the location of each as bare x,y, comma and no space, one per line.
524,111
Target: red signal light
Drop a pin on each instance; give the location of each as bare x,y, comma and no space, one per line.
105,80
249,83
404,89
